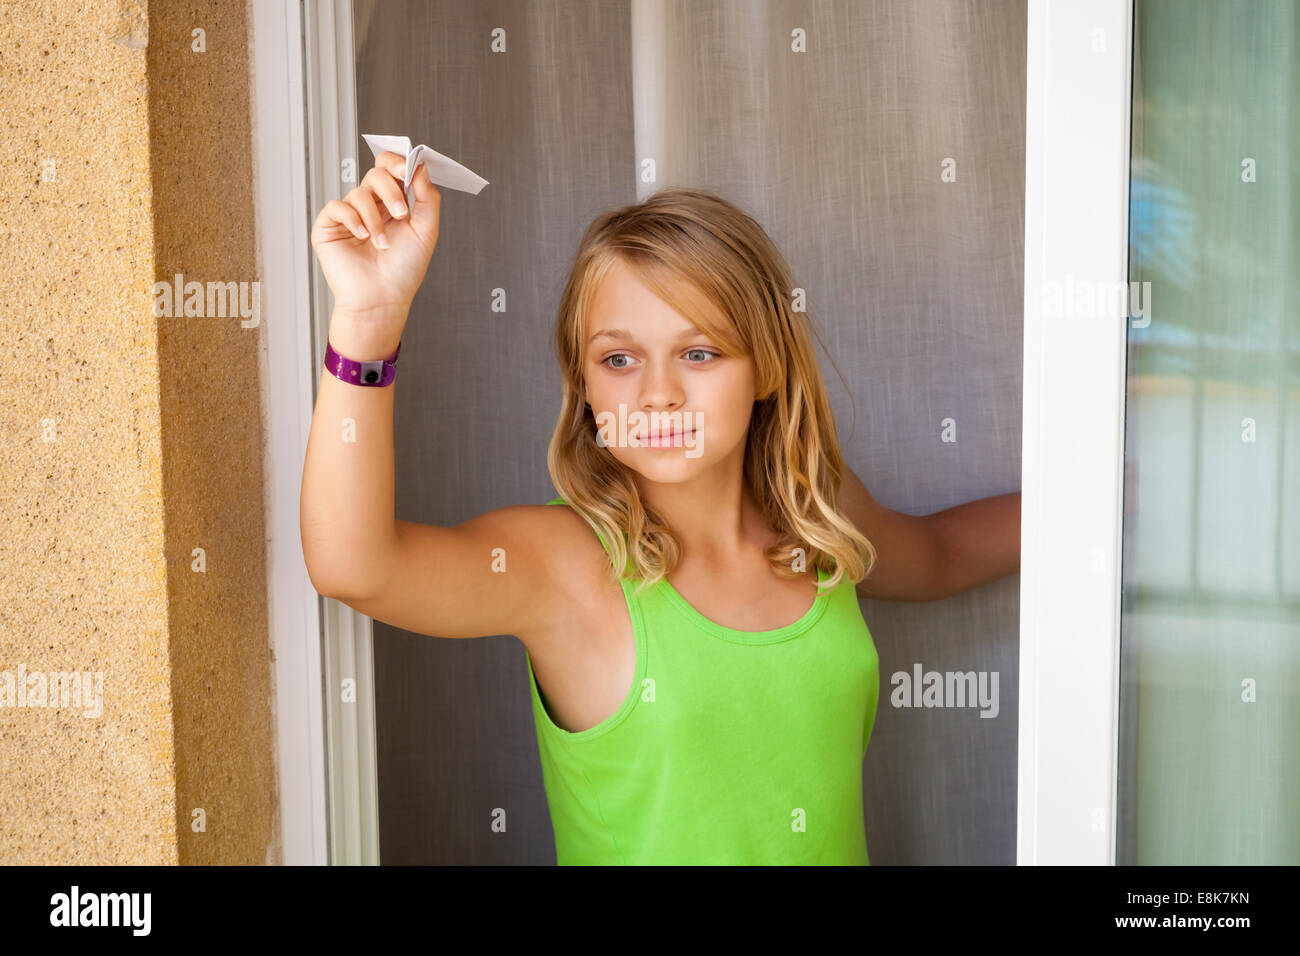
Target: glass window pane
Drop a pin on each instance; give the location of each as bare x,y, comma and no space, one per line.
1209,759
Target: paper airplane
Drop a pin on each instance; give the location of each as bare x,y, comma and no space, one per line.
442,170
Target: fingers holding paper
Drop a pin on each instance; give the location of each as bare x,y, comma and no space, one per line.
386,182
427,214
373,250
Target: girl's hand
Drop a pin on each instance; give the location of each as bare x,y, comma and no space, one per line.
369,281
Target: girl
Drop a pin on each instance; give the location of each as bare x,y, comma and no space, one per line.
703,683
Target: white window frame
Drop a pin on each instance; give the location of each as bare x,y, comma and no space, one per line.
1076,229
304,121
1076,178
281,196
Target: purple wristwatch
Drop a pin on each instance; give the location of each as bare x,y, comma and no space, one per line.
378,373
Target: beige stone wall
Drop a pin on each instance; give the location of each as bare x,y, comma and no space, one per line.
130,442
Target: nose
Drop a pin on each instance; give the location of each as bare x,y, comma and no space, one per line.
661,389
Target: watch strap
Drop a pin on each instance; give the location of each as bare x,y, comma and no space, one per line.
375,374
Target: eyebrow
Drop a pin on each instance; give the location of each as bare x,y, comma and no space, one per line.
626,336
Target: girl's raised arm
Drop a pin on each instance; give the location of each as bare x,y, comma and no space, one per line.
451,582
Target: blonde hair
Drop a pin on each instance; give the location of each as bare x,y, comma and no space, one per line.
685,244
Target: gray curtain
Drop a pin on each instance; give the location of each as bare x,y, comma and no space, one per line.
914,286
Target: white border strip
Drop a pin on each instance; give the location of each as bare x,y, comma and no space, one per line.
352,767
650,72
1076,230
282,236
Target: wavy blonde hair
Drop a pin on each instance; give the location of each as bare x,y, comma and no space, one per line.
685,244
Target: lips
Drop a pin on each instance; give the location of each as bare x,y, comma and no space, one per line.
667,440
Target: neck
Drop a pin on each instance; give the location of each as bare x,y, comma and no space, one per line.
714,517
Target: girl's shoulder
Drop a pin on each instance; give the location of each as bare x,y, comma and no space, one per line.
576,538
587,530
582,596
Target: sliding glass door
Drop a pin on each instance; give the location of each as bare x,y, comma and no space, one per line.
1209,720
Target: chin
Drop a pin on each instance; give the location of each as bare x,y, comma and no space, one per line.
674,470
669,472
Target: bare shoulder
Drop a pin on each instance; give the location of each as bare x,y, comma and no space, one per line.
577,574
513,570
559,539
559,550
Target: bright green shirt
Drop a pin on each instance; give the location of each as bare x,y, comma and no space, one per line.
731,747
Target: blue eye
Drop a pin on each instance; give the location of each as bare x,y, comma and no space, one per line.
705,352
709,352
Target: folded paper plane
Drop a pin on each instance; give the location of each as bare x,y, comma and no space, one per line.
442,170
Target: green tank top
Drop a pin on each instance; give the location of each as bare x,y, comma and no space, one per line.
731,747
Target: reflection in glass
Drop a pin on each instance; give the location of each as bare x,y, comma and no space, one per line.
1209,742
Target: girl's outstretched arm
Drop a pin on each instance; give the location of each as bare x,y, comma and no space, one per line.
979,542
930,557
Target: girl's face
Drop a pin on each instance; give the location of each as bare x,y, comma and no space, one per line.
668,404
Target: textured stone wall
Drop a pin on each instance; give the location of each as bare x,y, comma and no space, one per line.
131,482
